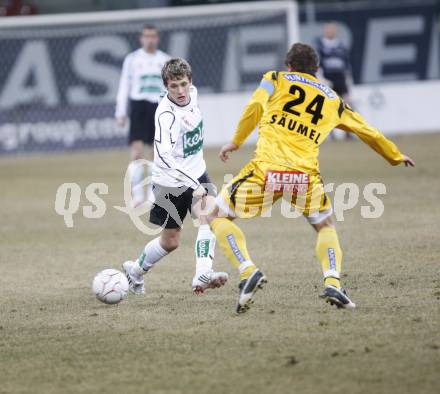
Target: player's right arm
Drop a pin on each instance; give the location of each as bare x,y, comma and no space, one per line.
352,121
251,115
123,93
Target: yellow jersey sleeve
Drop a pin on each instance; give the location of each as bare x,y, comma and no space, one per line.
353,122
254,109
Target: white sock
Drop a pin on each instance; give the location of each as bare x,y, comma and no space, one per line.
136,172
204,249
152,253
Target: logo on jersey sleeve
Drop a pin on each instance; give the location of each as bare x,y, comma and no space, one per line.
193,140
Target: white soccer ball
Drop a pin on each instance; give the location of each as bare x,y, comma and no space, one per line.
110,286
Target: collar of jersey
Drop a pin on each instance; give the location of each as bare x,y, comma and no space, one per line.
144,52
305,75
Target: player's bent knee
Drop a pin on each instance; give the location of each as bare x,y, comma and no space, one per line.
319,217
328,222
319,220
170,244
170,240
204,208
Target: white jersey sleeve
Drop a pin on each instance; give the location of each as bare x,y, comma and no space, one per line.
167,133
124,89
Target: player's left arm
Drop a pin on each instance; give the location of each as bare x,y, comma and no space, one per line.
352,121
123,90
251,115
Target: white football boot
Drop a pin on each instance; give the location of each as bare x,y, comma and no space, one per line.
209,280
135,280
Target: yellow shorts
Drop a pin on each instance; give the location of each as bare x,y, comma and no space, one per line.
259,185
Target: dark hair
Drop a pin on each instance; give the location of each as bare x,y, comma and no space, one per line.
176,68
302,58
149,26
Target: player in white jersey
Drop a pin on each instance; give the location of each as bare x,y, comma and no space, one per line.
180,181
140,89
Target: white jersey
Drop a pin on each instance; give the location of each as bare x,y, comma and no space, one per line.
140,79
178,143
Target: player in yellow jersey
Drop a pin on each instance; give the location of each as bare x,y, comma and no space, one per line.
295,114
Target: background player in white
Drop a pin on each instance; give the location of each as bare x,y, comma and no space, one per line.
139,92
180,181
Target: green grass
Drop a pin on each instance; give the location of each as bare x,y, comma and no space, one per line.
55,337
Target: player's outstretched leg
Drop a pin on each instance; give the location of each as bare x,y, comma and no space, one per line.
330,255
135,270
233,243
205,277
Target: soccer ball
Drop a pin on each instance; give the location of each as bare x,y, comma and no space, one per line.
110,286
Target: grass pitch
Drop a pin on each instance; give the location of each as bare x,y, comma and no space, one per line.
55,337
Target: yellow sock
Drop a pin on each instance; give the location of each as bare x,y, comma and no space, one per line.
233,242
330,255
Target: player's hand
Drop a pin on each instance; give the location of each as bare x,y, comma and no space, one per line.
408,161
200,192
121,121
228,148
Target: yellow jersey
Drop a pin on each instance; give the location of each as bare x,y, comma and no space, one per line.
295,114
